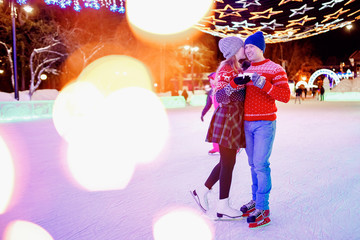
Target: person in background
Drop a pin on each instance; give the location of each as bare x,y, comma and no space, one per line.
185,94
314,92
269,83
211,100
226,126
298,93
322,92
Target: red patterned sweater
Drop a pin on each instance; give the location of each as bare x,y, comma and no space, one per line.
260,103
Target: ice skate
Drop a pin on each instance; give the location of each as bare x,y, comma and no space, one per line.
248,208
213,152
200,197
225,212
259,218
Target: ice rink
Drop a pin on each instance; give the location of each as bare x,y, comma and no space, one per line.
315,172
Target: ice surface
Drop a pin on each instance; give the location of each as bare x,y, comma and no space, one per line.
315,171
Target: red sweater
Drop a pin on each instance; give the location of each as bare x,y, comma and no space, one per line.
260,103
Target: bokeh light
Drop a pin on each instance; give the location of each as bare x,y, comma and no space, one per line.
20,230
166,17
7,176
97,163
182,224
73,109
115,72
112,121
137,119
131,128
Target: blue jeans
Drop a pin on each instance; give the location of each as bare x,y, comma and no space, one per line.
259,142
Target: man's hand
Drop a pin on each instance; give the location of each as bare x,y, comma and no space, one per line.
258,80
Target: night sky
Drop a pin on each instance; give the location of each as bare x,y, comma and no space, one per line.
340,43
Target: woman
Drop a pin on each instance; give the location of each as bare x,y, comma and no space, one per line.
226,126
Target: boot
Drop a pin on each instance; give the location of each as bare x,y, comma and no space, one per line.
225,210
213,152
259,218
248,208
201,198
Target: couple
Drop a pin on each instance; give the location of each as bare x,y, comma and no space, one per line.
246,117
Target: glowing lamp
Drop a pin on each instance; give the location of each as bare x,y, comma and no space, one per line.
28,9
43,77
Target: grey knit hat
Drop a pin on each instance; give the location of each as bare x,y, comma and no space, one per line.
229,46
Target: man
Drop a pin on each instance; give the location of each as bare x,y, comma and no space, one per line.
269,83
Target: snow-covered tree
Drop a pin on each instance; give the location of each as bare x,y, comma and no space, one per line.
44,60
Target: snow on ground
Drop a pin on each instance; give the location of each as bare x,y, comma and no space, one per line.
41,94
315,170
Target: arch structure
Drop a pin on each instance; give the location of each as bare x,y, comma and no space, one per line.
299,83
319,72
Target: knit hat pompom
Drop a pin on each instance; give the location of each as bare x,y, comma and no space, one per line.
256,39
229,46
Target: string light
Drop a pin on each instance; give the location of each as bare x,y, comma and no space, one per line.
244,17
233,11
78,5
279,20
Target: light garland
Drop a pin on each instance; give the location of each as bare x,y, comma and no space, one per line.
247,3
244,17
233,11
272,25
262,14
300,11
78,5
279,20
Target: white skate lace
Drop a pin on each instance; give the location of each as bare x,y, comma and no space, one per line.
250,204
257,213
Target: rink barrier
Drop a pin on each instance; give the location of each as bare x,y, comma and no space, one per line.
14,111
173,102
198,100
342,96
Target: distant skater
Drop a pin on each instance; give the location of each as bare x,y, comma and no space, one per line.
322,93
298,93
185,94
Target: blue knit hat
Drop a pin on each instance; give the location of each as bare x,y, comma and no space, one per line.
256,39
229,46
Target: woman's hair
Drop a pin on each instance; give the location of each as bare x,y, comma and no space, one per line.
233,62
